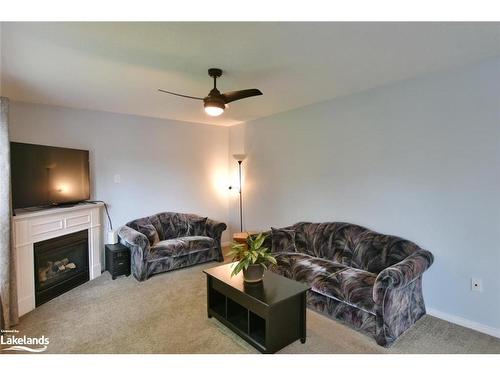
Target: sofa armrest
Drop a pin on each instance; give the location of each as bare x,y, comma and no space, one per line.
401,274
215,229
137,242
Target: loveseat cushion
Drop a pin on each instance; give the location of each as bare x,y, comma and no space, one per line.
180,246
350,285
155,222
174,225
150,232
147,227
197,226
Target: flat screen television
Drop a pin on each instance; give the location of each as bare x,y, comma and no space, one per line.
46,175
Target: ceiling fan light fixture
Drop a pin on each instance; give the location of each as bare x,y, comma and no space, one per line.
214,111
214,107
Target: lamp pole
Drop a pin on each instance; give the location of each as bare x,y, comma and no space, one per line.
241,200
239,158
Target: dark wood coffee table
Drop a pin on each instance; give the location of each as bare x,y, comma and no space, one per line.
269,315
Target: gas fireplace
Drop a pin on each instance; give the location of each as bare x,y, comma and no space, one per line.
61,264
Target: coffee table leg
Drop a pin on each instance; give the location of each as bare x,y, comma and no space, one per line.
208,297
303,309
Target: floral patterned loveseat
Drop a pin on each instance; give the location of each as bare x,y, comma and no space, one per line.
368,280
170,240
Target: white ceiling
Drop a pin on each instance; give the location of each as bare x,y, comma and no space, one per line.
118,67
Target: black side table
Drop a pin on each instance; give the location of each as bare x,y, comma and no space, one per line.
117,260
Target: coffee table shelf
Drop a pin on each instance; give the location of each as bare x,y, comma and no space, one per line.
268,315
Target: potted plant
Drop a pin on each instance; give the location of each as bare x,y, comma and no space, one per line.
251,259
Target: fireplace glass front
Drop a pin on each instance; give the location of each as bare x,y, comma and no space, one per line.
61,264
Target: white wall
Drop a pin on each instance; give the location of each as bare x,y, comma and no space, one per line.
164,165
419,159
1,57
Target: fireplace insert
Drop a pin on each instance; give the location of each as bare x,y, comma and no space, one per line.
61,264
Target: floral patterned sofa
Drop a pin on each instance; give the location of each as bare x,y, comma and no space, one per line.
169,240
368,280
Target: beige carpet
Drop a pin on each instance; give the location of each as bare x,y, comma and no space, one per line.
167,314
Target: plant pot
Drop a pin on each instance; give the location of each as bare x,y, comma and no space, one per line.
254,273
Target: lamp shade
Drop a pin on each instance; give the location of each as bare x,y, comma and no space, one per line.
239,157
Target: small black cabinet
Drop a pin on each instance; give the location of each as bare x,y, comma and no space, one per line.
117,260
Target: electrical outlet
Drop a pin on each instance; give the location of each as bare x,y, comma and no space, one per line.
476,285
117,178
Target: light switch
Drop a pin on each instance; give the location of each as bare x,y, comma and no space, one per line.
117,179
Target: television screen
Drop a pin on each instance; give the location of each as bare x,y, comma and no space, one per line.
45,175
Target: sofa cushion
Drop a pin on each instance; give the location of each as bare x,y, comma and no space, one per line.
150,232
352,245
309,269
303,267
331,279
350,285
180,246
304,237
197,226
283,241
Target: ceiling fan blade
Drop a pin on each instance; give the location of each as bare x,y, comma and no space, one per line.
241,94
184,96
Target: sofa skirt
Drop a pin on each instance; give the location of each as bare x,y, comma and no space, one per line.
354,317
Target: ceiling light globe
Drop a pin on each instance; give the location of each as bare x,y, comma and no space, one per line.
214,111
214,105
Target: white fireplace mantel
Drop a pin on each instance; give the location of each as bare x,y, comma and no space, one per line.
34,226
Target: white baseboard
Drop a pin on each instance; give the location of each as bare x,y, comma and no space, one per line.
492,331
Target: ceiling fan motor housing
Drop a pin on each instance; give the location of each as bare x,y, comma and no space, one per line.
214,72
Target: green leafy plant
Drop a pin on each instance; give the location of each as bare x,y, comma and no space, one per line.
254,253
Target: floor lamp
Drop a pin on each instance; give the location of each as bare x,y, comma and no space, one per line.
239,158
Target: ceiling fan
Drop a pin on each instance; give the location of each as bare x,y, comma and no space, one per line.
215,102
